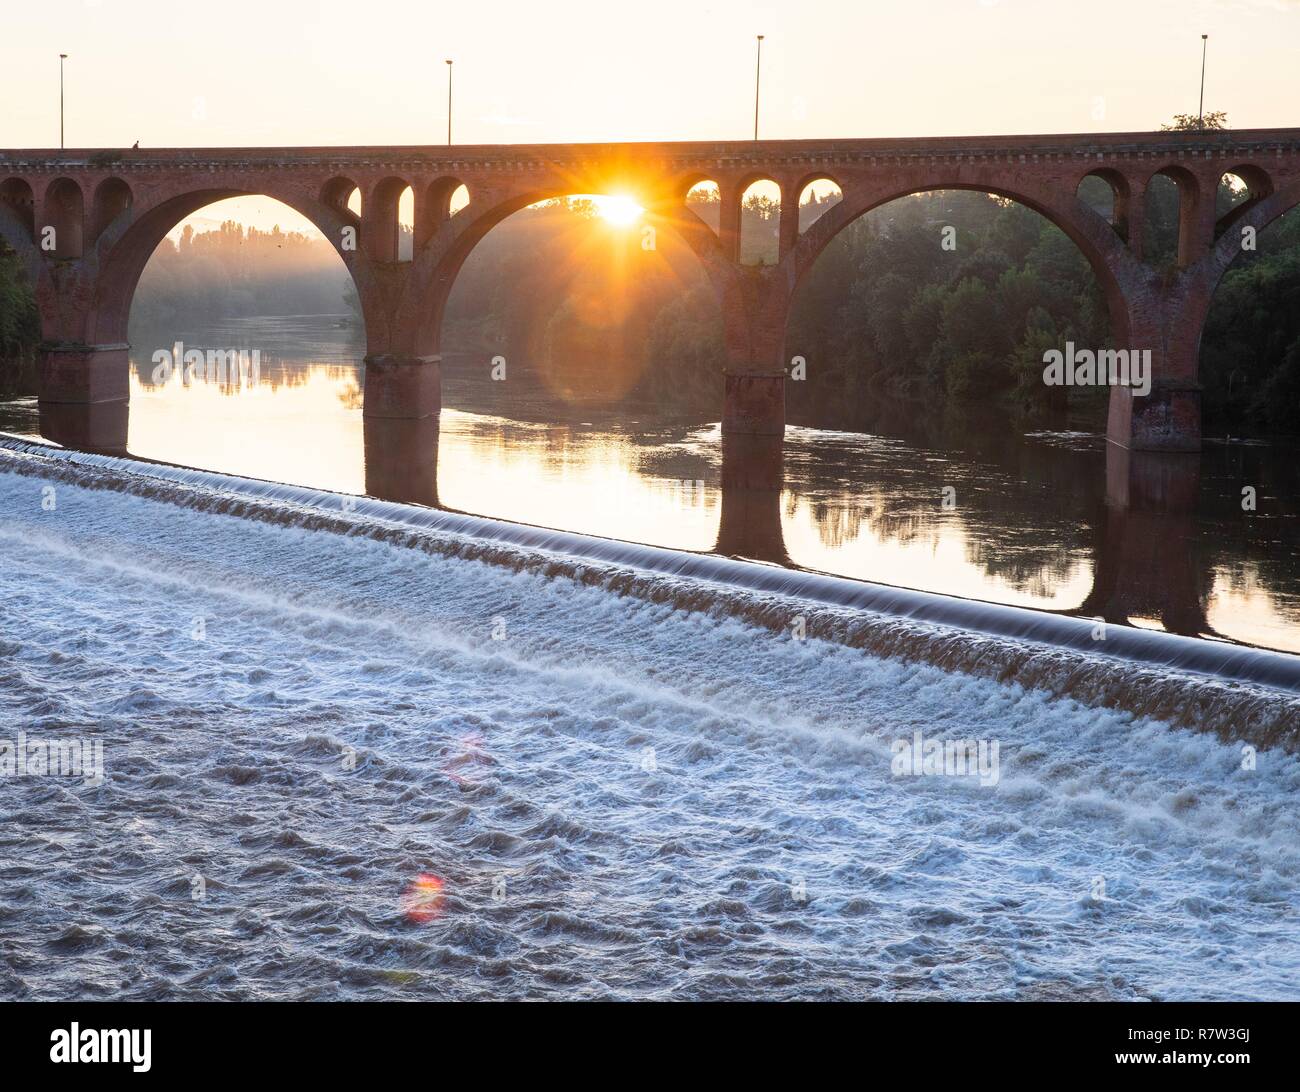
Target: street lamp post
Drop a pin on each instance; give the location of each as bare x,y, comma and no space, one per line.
758,73
448,100
62,57
1200,117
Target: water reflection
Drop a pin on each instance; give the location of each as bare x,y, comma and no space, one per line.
1148,571
101,427
1060,521
752,484
401,460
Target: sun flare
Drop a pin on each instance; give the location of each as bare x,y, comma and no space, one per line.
617,209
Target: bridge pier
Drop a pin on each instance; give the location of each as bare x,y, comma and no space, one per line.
84,373
401,387
401,456
1168,419
753,403
755,307
1167,319
749,524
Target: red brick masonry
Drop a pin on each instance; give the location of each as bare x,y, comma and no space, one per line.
110,208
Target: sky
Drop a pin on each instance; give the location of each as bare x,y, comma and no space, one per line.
308,72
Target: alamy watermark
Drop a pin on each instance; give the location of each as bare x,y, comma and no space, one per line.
1103,368
921,757
25,757
224,366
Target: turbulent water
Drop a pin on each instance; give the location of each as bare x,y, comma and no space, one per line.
620,797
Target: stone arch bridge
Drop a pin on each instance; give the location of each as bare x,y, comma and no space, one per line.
85,223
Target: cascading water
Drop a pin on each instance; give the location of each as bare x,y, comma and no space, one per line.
605,770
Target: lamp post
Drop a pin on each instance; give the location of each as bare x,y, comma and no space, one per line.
62,57
1200,117
448,100
758,73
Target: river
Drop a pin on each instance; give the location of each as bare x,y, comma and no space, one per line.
389,748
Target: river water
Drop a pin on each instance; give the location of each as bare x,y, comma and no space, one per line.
352,751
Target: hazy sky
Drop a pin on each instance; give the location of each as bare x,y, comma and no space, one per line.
247,72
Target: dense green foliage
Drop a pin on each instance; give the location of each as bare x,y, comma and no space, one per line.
20,327
887,310
1250,350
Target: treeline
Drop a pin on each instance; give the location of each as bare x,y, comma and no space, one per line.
20,329
943,297
234,272
20,324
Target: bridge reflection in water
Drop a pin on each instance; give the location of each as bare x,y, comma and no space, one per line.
401,459
1146,569
1146,565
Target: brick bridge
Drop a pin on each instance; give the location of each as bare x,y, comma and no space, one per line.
109,209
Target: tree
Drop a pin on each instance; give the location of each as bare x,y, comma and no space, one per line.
1215,119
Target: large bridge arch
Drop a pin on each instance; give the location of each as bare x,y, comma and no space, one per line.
1114,266
439,261
124,259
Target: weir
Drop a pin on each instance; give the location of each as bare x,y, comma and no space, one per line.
1249,693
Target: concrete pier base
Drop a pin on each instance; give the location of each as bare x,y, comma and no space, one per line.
403,387
1167,419
754,403
84,373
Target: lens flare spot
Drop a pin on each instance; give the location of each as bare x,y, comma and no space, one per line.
422,899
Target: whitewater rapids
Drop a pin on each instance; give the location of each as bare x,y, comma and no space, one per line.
622,797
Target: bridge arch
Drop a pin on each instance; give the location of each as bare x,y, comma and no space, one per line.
1105,252
1190,197
337,194
64,210
112,198
1120,195
1257,184
18,228
812,193
381,230
455,239
434,206
761,198
124,261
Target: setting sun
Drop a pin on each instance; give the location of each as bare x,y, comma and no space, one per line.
617,209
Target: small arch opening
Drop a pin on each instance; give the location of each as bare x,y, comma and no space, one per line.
704,199
437,207
389,221
817,197
1239,190
342,195
16,196
1106,192
1170,217
65,213
760,218
112,198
